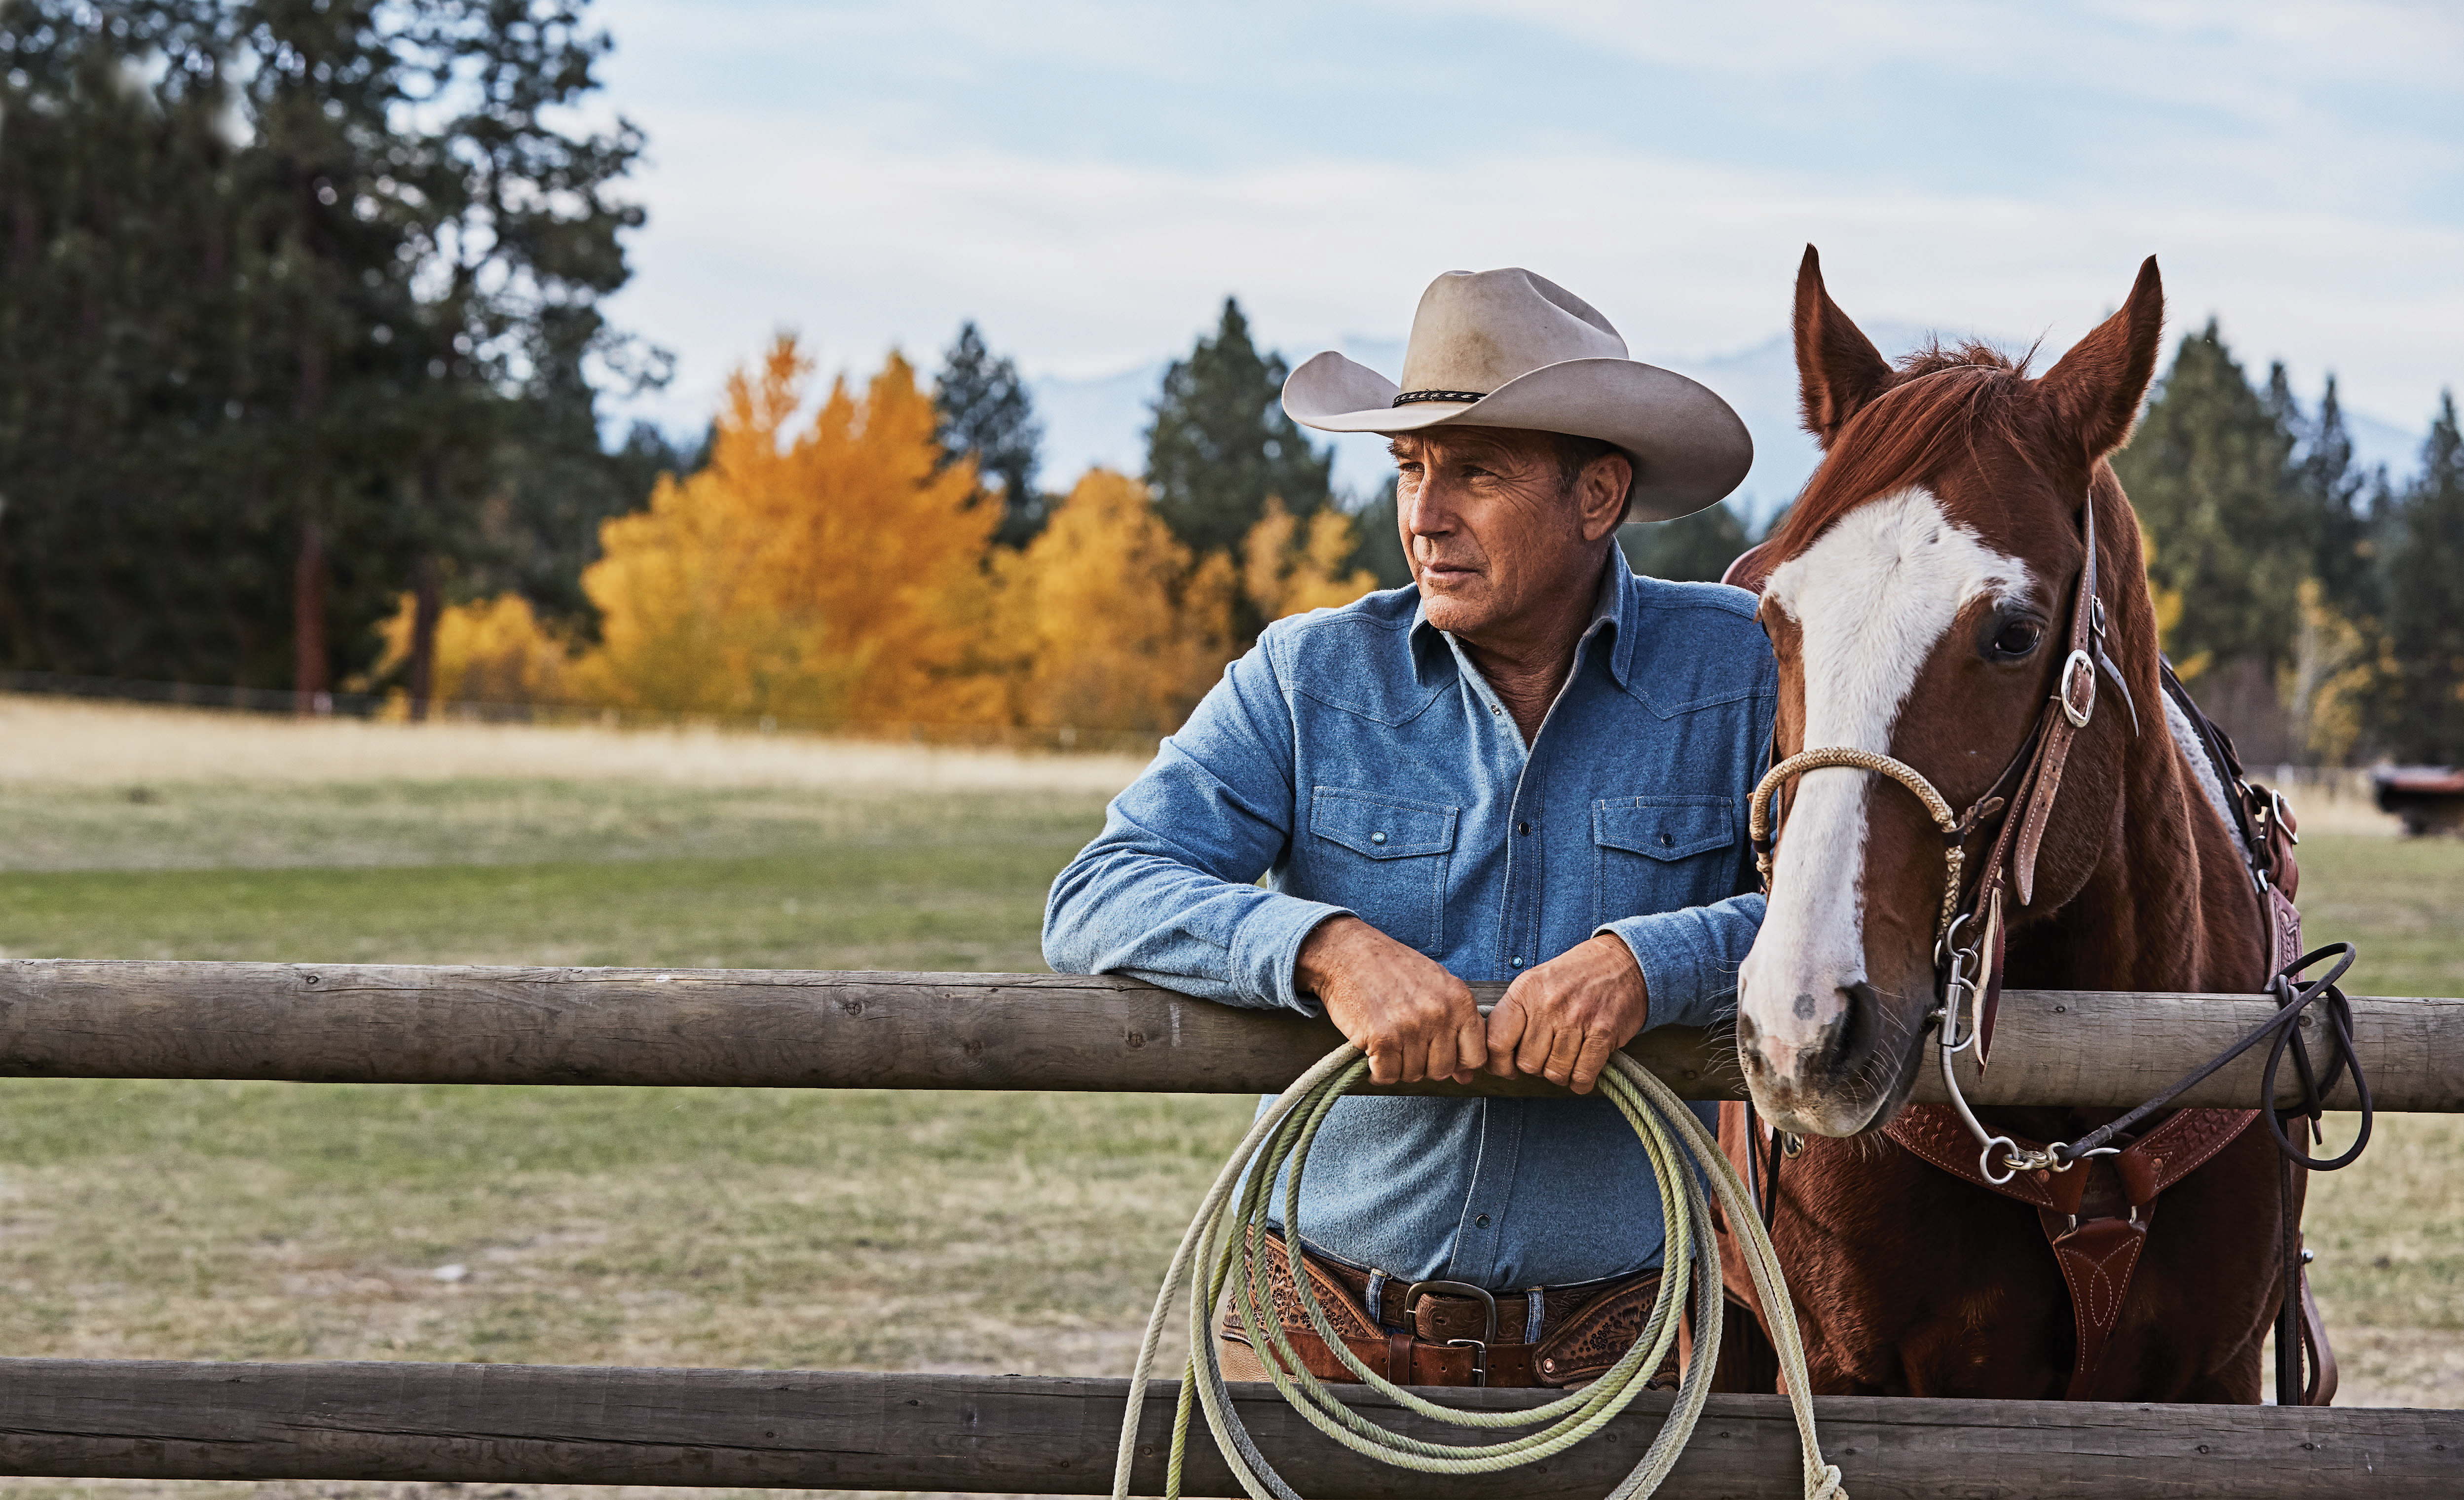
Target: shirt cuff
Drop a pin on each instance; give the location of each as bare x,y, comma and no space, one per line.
1267,949
1688,973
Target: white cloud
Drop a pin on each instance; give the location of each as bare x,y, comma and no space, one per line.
873,174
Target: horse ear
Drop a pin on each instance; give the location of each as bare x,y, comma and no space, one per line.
1837,367
2096,387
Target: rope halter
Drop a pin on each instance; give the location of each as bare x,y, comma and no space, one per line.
1954,828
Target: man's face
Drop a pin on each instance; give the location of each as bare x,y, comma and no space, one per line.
1494,535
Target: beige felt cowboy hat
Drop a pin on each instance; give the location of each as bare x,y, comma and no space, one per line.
1510,349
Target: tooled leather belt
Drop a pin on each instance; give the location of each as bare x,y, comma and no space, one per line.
1450,1333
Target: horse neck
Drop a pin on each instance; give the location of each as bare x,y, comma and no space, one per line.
2168,904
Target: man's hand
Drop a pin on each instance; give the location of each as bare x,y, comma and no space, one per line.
1415,1020
1562,1020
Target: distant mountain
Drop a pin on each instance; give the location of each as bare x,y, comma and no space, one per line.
1103,420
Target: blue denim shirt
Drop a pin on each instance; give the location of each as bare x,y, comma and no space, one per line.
1358,761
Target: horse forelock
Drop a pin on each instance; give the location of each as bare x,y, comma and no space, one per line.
1945,399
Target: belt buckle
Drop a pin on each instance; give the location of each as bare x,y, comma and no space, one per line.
1479,1347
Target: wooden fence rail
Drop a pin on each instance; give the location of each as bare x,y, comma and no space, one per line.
511,1424
348,1023
801,1430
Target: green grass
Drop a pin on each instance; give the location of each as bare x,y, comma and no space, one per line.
762,1228
2399,902
328,825
535,872
853,907
613,1225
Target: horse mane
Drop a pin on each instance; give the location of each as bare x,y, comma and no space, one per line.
1940,395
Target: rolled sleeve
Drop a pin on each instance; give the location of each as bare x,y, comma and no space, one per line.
1167,892
1689,958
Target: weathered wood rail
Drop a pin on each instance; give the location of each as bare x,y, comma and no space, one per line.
507,1423
837,1430
343,1023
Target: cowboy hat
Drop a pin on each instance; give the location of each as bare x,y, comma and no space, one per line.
1510,349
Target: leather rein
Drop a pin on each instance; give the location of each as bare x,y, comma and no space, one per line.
1967,972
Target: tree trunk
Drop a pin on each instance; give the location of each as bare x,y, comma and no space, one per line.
310,682
428,594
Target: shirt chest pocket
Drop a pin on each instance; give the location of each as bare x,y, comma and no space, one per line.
1658,854
1385,857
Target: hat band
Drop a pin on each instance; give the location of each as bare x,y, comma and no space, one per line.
1408,398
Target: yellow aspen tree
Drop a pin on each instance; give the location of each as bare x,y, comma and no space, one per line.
827,573
1120,630
1290,569
492,650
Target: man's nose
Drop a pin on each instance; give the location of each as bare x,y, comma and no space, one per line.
1425,511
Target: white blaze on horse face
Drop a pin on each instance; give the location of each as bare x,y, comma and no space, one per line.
1872,598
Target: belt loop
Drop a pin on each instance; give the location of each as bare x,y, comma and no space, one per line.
1375,1299
1535,1308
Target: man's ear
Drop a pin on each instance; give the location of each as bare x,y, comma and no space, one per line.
1838,369
1600,494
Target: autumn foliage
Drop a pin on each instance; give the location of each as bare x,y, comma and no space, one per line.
836,569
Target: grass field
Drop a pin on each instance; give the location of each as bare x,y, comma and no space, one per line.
956,1231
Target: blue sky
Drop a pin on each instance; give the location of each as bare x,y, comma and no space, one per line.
1088,179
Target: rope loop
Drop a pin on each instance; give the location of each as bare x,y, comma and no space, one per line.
1222,1252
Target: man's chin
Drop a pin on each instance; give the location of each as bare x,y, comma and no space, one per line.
1457,604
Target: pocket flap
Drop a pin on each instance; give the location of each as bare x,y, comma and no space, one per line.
1381,827
1664,828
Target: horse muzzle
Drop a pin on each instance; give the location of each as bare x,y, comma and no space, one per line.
1824,1055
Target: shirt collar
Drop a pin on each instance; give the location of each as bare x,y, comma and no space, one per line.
1611,606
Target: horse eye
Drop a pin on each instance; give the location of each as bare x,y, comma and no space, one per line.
2018,638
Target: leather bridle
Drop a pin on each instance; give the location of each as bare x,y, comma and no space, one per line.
1970,971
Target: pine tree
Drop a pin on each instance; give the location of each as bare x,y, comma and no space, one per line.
1220,443
986,415
2210,470
2329,488
1381,540
2207,469
2424,712
1696,548
295,290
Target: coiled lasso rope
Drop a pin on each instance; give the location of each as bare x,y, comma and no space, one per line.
1222,1241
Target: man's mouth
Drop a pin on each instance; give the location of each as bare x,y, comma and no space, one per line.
1446,572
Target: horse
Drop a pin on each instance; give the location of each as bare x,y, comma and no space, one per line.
1919,597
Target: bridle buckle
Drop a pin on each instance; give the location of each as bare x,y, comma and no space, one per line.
2078,668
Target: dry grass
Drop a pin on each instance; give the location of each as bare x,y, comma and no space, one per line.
64,740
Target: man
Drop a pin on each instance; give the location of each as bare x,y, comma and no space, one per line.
1532,765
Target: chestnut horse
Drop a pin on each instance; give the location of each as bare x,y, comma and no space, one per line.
1920,598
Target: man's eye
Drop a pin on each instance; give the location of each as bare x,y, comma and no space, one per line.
2018,638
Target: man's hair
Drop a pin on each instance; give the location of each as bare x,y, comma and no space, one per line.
1575,454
